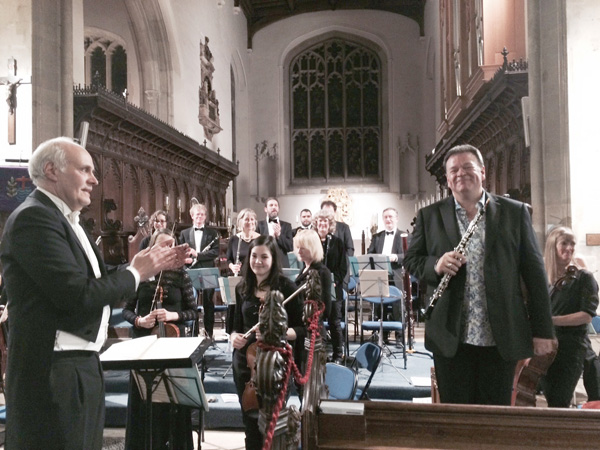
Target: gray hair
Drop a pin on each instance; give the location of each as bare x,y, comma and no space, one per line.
50,151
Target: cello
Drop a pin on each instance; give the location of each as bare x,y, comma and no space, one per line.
529,371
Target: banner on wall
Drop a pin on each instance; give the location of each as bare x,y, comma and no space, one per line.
15,186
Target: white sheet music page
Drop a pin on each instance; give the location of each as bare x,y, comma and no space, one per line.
150,347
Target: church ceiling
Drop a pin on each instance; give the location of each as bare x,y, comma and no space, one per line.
260,13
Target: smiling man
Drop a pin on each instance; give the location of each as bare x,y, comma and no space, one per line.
59,296
481,325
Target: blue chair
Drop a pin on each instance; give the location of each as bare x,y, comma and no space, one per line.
596,323
341,381
395,295
293,261
291,273
367,357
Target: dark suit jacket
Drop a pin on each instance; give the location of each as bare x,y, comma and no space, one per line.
209,236
342,231
50,286
511,254
285,241
376,247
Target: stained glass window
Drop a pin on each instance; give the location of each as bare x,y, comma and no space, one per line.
335,96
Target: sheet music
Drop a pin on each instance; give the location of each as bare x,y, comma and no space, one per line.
374,283
150,347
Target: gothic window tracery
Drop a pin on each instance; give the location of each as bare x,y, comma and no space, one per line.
335,98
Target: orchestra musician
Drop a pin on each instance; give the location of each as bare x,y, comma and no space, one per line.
480,327
279,229
335,260
178,306
574,298
204,243
238,246
261,274
158,221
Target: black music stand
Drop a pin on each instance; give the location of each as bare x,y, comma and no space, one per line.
376,289
165,367
370,262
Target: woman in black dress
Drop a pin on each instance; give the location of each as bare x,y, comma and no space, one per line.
237,250
574,297
334,257
179,306
261,273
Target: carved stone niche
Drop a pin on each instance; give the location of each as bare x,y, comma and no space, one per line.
208,114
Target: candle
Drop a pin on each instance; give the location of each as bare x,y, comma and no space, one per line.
229,222
167,201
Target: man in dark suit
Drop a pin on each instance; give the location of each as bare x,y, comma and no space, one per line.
389,242
342,230
59,297
305,222
480,327
282,231
204,245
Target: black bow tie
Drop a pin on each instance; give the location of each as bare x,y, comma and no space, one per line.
198,229
274,220
387,233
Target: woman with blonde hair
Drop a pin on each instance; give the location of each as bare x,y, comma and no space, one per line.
309,249
237,250
574,298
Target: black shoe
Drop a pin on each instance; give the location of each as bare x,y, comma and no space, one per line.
338,359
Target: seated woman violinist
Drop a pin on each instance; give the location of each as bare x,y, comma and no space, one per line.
174,289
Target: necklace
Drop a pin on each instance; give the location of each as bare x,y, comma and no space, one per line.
245,238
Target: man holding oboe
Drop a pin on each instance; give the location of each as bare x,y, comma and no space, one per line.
481,325
204,243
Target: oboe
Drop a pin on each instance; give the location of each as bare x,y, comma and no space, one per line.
460,248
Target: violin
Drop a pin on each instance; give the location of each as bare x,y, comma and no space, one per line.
249,397
164,329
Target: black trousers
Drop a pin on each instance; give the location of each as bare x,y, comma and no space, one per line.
562,376
591,372
241,375
335,326
475,375
77,384
209,310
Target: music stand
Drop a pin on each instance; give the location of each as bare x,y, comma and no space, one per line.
375,284
203,279
228,285
173,360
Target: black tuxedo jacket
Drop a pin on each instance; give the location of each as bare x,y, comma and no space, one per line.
511,255
295,230
377,247
209,236
285,241
50,286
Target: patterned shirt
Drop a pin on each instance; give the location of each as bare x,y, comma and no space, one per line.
475,322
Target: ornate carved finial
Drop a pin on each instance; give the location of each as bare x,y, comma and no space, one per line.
505,59
108,206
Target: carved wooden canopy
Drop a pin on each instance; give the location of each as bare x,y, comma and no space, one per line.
144,162
494,124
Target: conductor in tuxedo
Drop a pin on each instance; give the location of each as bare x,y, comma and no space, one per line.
59,298
389,242
279,229
204,245
481,326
